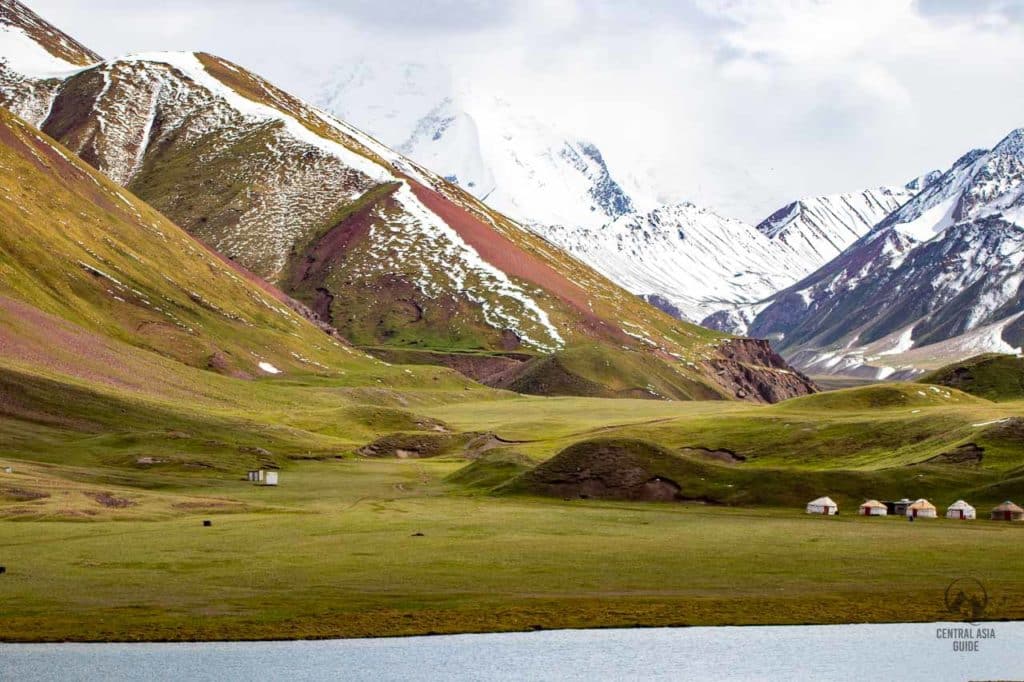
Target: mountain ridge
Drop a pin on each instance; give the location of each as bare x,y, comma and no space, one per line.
396,255
941,272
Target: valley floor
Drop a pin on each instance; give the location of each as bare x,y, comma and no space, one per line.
336,551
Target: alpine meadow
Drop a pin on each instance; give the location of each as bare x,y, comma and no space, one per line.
277,367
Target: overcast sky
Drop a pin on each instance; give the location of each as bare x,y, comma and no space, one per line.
740,105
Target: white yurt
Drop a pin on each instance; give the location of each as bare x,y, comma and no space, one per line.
922,509
873,508
960,510
822,505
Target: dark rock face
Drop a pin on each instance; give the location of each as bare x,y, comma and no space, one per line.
721,321
606,193
666,306
751,370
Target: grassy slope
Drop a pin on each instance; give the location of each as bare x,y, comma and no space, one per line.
992,376
77,247
121,334
868,442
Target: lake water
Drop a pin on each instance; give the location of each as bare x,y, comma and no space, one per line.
833,653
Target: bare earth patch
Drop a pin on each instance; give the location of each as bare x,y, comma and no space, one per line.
110,501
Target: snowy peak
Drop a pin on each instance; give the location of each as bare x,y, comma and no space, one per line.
854,213
1012,144
818,229
515,161
689,259
696,262
923,182
33,57
608,197
979,184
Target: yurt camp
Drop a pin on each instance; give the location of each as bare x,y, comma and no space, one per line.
922,509
822,505
873,508
1007,511
960,510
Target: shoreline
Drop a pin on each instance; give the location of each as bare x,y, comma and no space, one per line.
432,635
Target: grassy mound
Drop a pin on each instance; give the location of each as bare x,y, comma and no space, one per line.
491,470
992,376
881,397
616,469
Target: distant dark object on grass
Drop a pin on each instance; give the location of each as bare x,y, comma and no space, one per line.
3,569
417,534
207,523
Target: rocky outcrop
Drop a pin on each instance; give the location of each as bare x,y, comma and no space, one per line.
751,370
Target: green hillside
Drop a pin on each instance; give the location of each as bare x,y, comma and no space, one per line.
992,376
126,341
77,247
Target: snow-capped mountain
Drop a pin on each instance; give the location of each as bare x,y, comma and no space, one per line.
514,161
694,263
938,278
380,248
686,259
820,228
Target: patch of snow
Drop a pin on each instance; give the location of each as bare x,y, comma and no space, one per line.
930,222
994,421
25,56
903,343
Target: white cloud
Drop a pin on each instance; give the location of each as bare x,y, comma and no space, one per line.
738,104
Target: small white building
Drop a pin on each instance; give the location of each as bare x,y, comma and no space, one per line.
873,508
263,477
960,510
822,505
922,509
